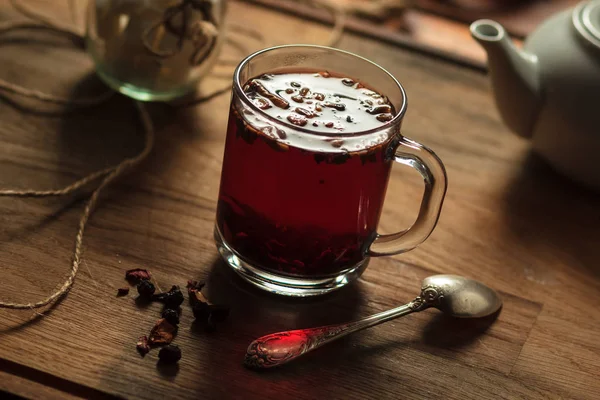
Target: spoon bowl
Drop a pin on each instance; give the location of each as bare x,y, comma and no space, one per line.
461,297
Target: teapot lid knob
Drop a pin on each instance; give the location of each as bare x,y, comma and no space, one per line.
586,18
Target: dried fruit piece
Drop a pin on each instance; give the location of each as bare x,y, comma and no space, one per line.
337,143
172,299
146,289
142,345
261,103
384,117
298,99
319,96
307,113
296,119
163,332
337,106
381,109
171,315
124,291
348,82
170,354
264,92
304,91
325,74
137,274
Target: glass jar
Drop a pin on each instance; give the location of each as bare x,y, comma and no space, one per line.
154,49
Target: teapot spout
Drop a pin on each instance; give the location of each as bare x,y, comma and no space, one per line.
514,75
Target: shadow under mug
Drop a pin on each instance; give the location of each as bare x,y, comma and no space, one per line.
298,209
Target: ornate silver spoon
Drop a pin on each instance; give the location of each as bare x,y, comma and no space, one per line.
452,294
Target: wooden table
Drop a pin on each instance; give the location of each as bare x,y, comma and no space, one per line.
508,220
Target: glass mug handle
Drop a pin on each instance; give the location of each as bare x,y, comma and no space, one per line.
433,172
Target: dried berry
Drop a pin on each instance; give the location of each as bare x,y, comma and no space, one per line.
347,82
296,85
124,291
298,98
169,354
172,299
163,332
146,289
304,91
319,96
171,315
142,345
137,274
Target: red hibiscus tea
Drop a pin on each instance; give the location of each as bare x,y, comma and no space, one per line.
307,160
298,206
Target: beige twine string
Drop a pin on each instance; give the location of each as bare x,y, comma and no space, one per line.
109,174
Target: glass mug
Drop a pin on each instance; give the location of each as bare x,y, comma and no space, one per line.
154,50
298,209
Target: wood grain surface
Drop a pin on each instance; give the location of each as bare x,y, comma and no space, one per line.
508,220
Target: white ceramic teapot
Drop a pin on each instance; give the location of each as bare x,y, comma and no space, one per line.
550,90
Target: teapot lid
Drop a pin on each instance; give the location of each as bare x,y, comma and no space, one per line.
586,18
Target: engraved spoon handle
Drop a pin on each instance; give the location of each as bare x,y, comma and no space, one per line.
279,348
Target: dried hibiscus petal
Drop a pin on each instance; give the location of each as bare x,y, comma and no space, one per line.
142,345
136,275
162,332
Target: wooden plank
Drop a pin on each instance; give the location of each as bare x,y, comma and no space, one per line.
519,17
504,222
417,31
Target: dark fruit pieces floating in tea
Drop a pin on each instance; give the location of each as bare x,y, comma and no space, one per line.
324,97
